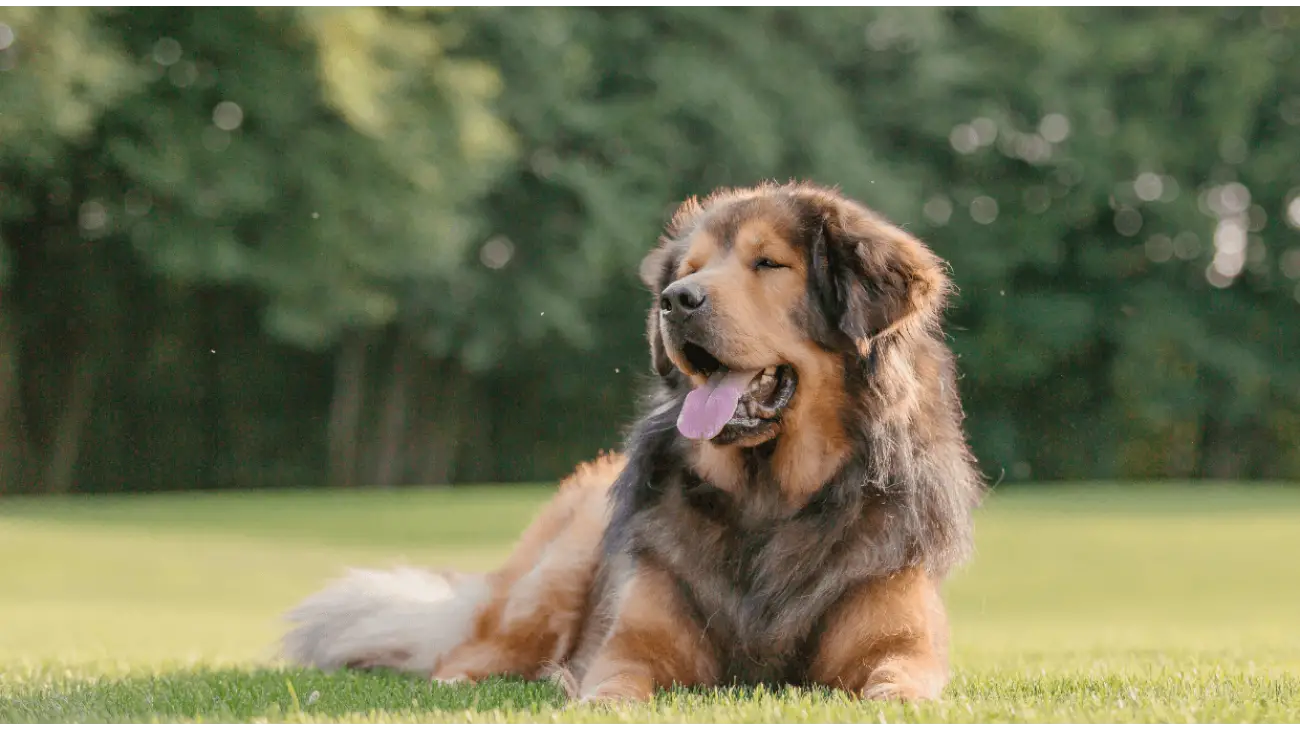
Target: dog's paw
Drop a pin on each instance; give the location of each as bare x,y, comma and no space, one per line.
890,685
564,678
616,691
890,692
609,700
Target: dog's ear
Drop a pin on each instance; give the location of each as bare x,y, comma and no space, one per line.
872,278
656,273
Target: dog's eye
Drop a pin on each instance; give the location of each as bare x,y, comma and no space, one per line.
765,263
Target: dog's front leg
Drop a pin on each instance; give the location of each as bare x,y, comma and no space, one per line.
653,643
886,640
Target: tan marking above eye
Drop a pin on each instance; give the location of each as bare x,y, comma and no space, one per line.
701,249
686,268
765,263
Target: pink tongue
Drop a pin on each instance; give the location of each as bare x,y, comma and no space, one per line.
708,408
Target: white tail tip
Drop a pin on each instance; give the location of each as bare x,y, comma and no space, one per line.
404,619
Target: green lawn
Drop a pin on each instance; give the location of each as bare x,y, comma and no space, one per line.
1087,603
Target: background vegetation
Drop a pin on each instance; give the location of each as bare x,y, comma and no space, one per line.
349,247
362,246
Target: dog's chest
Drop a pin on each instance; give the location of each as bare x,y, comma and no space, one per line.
758,579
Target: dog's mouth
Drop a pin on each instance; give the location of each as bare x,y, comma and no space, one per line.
733,404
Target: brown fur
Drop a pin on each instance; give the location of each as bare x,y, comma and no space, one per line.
652,642
538,598
887,638
809,552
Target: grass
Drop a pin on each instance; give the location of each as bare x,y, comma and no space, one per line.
1084,603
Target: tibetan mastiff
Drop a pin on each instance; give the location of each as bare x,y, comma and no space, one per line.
784,510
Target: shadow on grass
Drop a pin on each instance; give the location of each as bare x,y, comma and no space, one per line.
1185,692
292,695
230,695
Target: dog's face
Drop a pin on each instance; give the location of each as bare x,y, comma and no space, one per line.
760,293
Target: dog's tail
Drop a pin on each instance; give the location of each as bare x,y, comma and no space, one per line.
404,619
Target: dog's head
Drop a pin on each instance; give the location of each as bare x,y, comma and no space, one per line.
760,293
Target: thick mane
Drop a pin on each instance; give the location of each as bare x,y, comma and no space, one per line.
910,481
653,456
906,421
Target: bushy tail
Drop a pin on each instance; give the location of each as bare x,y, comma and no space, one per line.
403,619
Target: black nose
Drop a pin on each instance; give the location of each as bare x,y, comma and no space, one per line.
681,299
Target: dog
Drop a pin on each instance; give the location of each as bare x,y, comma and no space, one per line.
784,510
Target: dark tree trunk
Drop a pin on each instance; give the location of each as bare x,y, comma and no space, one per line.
70,423
210,304
345,409
13,432
389,464
1220,453
445,401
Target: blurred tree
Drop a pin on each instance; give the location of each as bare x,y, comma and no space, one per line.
620,116
235,161
1105,331
366,245
58,75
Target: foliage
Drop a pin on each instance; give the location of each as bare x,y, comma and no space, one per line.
361,245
